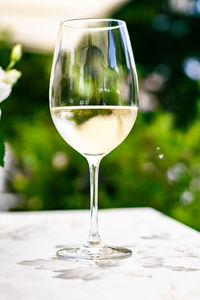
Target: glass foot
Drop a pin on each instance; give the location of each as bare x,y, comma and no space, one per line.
94,252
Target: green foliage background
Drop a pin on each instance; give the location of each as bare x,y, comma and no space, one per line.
159,163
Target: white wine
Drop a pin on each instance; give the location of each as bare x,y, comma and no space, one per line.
95,129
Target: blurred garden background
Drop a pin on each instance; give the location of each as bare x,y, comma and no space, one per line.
158,165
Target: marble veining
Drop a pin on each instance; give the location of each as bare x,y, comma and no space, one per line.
165,263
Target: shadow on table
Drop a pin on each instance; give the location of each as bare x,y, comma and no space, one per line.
72,270
144,262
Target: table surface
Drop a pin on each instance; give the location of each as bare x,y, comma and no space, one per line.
165,263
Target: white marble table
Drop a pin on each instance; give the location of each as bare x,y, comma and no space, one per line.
165,264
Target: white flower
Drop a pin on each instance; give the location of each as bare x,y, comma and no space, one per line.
5,88
2,74
11,76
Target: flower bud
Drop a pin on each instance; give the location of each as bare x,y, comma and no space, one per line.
16,53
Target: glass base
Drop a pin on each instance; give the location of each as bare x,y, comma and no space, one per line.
94,252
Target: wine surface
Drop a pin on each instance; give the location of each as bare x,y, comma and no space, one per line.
94,130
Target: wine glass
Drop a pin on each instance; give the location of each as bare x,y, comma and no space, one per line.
94,104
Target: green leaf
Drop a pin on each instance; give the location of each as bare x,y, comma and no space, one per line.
2,151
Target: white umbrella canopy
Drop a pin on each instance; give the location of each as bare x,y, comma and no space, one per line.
35,23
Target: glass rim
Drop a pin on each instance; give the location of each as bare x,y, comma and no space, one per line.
64,24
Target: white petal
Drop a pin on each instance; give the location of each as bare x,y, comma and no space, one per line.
5,90
12,76
2,74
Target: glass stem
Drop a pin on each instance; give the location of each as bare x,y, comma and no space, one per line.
94,237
